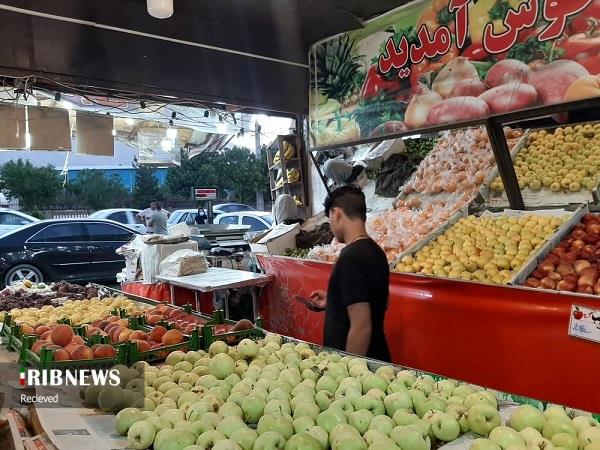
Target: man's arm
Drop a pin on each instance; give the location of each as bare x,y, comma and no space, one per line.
359,335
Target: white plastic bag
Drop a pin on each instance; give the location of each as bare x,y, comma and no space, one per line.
182,263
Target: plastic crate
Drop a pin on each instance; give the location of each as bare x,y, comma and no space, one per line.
194,342
232,337
45,360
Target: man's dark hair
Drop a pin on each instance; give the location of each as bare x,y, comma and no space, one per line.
349,199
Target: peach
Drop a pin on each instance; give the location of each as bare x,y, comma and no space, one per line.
457,109
553,79
114,333
123,323
78,340
41,329
103,351
510,97
142,345
27,329
60,354
46,335
507,71
172,337
112,318
61,334
138,334
90,331
103,324
153,319
82,352
157,333
72,346
96,323
38,345
124,335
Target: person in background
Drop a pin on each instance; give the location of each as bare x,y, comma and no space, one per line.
158,220
145,215
357,297
343,173
285,210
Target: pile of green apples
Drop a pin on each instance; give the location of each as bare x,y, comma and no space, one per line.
270,395
531,429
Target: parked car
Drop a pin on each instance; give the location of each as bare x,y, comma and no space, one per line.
189,215
258,220
63,249
11,220
126,216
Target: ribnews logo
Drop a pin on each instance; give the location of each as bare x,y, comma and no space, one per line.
69,377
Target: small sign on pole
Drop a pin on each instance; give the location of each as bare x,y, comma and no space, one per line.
205,193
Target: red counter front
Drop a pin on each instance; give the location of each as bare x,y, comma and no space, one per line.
511,339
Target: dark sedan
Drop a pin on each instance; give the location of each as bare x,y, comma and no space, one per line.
67,249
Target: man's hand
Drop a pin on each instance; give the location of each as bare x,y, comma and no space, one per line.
319,298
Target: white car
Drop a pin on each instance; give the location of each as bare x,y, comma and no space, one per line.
189,215
126,216
258,220
11,220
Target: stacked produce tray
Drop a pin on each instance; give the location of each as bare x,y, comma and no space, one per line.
407,258
545,196
220,330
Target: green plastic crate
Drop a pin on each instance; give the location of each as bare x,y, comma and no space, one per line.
232,337
194,342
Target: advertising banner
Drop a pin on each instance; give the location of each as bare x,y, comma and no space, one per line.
438,62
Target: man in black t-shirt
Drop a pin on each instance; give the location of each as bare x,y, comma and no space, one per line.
358,291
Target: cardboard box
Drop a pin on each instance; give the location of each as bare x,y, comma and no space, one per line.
276,241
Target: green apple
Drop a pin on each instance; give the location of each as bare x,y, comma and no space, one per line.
384,424
229,424
188,397
168,439
477,398
483,418
416,396
361,420
424,386
302,424
565,440
208,439
582,422
248,348
159,423
126,418
530,434
506,437
343,405
141,435
320,435
463,390
370,403
540,444
232,379
303,397
240,368
218,347
306,409
374,435
175,358
387,372
166,387
403,417
407,377
269,440
527,416
324,398
245,438
410,437
184,366
221,365
204,361
252,408
278,407
558,425
446,386
207,381
396,401
444,426
278,394
592,446
590,435
326,383
201,370
281,384
168,402
302,441
350,382
337,371
330,418
230,409
349,442
384,443
483,444
309,374
555,412
460,413
374,381
396,386
226,444
173,415
275,422
303,388
347,393
430,404
456,400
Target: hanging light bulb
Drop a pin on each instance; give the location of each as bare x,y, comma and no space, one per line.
160,9
171,131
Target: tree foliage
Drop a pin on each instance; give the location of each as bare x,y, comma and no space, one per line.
35,187
146,187
92,189
236,173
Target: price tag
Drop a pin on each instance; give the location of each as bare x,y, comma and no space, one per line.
584,323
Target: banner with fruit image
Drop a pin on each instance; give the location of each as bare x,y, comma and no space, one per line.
437,62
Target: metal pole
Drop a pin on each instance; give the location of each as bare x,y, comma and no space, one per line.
260,199
505,164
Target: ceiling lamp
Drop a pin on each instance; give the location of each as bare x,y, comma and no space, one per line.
160,9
